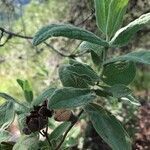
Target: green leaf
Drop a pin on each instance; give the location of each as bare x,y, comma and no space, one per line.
85,72
108,127
124,35
7,114
131,99
136,56
119,90
117,9
45,94
119,73
7,97
28,94
102,7
58,132
10,98
96,51
70,79
30,142
69,31
4,135
70,98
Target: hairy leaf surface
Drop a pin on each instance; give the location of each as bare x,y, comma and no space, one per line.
108,127
69,31
124,35
70,98
136,56
70,79
119,73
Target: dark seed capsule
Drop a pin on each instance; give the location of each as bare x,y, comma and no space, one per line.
45,112
36,108
28,119
42,122
33,124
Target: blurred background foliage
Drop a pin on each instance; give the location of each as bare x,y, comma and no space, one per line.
19,59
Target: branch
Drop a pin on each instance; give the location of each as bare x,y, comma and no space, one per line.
15,34
66,133
66,55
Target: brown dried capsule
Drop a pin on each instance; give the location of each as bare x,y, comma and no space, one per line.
43,121
33,124
37,119
64,115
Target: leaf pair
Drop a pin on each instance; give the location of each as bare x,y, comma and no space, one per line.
109,19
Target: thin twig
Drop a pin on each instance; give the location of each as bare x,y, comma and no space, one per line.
47,138
85,20
15,34
66,55
66,133
45,134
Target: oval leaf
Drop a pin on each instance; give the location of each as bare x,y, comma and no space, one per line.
70,98
70,79
123,36
68,31
136,56
119,73
108,127
85,72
